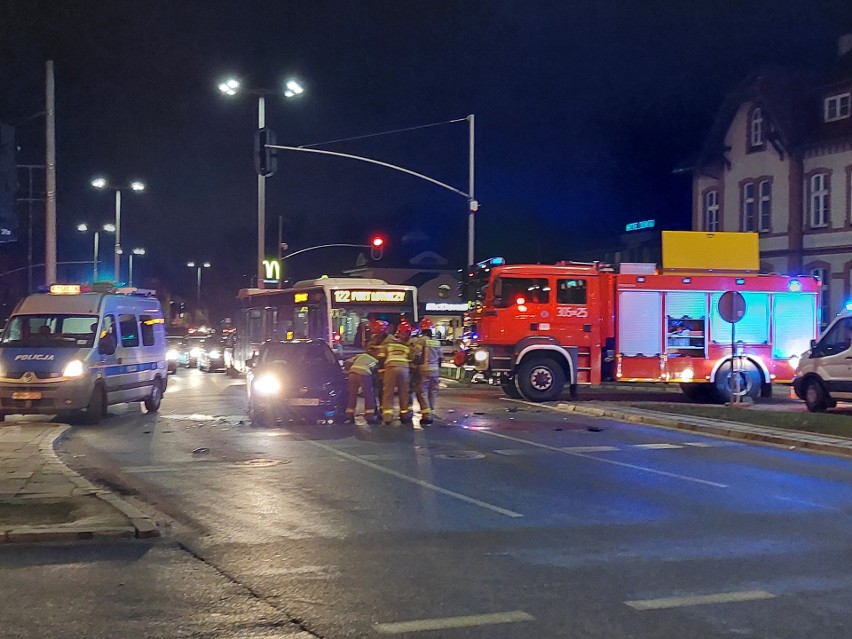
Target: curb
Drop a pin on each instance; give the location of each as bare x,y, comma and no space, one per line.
141,525
733,430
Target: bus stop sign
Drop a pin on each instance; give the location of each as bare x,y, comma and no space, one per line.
732,306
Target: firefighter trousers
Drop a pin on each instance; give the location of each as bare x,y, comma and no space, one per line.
364,383
427,394
396,377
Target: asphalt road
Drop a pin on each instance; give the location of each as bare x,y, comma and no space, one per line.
502,520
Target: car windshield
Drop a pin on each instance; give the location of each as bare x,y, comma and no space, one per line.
297,353
69,331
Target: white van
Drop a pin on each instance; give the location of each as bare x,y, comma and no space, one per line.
824,373
77,349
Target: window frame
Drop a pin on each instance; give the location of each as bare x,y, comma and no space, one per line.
756,121
582,288
823,195
748,202
128,319
764,206
146,330
841,104
712,210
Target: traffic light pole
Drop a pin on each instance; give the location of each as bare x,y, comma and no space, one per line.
261,199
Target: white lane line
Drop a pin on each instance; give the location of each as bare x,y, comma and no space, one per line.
588,449
414,480
656,446
699,600
602,460
511,451
445,623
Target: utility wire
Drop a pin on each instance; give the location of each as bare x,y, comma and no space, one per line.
375,135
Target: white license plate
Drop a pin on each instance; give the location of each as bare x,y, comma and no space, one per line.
27,395
304,401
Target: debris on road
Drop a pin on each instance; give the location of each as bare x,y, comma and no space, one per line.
201,451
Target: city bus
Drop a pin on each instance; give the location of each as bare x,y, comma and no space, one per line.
336,310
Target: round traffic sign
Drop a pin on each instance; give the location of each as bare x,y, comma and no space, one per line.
732,306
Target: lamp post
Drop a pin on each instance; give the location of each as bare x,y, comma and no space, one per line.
136,251
83,228
102,184
292,89
199,266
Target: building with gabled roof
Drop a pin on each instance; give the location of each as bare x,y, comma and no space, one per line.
778,161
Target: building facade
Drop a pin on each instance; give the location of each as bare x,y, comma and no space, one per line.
778,162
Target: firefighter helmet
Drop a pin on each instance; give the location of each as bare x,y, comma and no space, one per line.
425,323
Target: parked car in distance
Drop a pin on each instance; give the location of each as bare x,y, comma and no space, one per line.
295,380
188,356
174,347
212,355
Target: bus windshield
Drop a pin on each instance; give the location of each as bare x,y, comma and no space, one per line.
43,331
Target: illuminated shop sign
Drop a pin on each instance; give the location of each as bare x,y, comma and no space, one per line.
446,307
350,297
271,271
638,226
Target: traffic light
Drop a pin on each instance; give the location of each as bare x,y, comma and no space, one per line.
265,160
377,245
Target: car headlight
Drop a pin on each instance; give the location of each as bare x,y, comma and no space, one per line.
214,354
171,354
267,385
481,356
74,368
195,352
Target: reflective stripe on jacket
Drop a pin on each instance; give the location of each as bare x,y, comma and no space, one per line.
431,356
363,364
398,354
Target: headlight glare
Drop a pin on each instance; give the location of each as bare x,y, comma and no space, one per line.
171,354
195,352
214,354
267,385
74,368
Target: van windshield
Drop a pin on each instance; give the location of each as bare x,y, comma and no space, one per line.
51,331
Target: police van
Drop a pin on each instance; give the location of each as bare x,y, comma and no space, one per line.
83,348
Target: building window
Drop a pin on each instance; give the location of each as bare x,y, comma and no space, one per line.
818,199
838,107
756,128
825,298
764,206
749,204
711,211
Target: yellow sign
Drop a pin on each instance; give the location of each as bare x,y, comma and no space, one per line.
298,298
271,270
65,289
700,251
350,297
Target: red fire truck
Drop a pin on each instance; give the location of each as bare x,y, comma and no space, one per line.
539,327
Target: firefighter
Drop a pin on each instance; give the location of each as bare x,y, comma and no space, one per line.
428,355
375,347
362,369
397,362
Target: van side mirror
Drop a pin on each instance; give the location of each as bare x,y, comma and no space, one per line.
813,344
107,344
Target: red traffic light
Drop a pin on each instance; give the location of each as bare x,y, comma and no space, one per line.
378,241
377,245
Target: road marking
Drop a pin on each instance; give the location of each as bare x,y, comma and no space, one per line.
603,460
699,600
511,451
446,623
414,480
656,446
588,449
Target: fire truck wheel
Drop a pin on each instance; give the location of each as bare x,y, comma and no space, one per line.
815,396
750,381
540,379
510,388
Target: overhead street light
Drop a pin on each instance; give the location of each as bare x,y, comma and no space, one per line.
84,228
136,251
102,184
292,89
199,266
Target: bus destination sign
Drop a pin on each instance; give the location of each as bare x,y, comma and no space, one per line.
347,296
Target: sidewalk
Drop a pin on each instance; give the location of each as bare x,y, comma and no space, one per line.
831,444
42,500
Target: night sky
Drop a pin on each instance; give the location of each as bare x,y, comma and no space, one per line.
583,109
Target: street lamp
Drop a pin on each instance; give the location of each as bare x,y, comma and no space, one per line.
292,89
83,228
199,266
136,251
102,183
